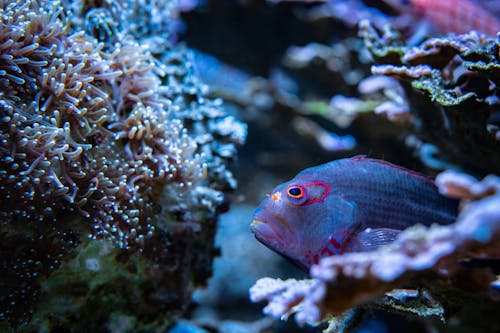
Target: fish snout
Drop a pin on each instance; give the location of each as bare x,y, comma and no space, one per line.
263,231
272,230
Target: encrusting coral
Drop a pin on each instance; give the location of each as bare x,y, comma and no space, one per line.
105,133
454,76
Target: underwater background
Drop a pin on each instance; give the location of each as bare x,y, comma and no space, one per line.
138,137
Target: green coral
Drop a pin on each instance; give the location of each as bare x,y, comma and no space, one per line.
433,86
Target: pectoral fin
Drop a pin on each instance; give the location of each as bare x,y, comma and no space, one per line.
370,239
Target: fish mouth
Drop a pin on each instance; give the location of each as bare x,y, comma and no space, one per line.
267,235
262,230
273,231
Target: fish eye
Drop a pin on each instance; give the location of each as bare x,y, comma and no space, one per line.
296,192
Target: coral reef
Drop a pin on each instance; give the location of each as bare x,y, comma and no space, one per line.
114,161
112,156
455,77
441,94
439,261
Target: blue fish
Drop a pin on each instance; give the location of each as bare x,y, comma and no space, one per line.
349,205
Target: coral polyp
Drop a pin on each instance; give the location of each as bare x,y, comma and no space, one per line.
98,136
95,135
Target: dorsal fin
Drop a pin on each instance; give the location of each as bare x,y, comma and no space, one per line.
389,164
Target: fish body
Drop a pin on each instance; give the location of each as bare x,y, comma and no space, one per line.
459,16
348,205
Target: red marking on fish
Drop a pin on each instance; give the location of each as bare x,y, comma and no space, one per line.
327,251
322,198
334,242
459,16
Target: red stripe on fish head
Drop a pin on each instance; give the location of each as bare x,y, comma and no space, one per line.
326,191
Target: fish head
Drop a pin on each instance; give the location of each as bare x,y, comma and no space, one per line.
291,220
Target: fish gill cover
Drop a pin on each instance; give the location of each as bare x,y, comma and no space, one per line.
112,166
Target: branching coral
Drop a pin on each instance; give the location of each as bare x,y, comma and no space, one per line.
425,258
